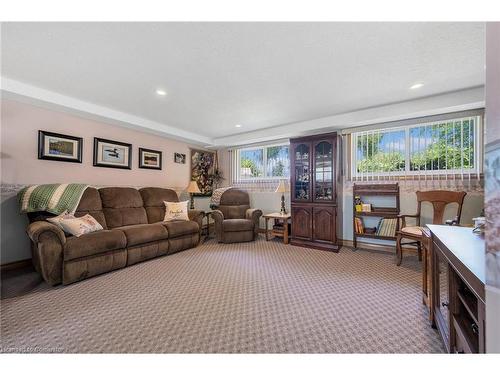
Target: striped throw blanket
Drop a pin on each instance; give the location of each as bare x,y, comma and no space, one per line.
217,194
53,198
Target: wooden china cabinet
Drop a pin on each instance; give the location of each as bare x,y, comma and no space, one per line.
314,175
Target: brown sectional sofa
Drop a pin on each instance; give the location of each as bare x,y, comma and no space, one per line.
134,231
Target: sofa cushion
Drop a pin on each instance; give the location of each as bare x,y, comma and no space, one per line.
122,206
242,236
181,228
237,225
143,233
153,199
80,225
154,196
415,231
83,268
94,243
175,211
234,197
91,204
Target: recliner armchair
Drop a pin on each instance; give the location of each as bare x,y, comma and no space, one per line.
234,220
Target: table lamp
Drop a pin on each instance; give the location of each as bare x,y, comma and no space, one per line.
282,188
192,189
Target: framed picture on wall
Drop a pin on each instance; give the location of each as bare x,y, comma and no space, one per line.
202,169
59,147
179,158
149,159
112,154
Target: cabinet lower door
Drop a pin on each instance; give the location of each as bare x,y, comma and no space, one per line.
302,222
324,224
440,294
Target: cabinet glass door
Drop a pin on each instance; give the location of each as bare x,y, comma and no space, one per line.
302,172
323,171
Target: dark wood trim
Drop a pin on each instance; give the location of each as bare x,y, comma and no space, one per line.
41,147
25,263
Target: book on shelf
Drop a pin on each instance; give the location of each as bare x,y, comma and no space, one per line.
387,227
359,226
366,207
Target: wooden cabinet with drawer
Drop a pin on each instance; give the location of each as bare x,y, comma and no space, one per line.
457,275
314,183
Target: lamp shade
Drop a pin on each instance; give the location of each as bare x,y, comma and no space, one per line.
193,187
282,187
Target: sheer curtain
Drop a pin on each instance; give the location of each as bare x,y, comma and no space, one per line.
254,184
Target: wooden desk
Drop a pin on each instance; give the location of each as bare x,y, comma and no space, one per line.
458,278
278,232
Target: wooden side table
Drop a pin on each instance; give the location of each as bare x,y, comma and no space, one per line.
278,232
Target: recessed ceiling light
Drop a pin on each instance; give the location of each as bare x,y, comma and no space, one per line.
416,86
161,92
237,126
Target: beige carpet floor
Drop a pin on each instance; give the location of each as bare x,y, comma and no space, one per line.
262,297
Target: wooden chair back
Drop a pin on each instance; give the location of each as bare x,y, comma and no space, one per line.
440,199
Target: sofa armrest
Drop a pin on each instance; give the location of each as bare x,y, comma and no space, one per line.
254,214
218,217
197,216
36,229
48,250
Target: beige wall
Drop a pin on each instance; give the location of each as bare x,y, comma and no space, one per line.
20,123
473,203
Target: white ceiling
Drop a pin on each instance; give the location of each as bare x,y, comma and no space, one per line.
260,75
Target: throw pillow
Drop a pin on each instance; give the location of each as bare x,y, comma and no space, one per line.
56,220
81,225
176,211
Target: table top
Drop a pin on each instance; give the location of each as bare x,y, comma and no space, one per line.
277,215
468,247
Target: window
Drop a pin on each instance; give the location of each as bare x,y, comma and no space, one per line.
267,162
443,147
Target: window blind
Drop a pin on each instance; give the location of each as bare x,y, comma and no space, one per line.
437,151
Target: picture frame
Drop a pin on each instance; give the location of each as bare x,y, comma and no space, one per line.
179,158
150,159
112,154
202,169
59,147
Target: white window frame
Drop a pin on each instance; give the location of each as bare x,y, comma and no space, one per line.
264,161
478,151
